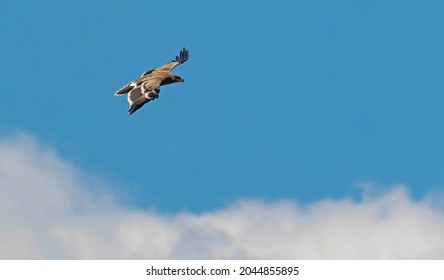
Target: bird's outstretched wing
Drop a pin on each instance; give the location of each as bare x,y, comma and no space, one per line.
137,104
141,95
181,58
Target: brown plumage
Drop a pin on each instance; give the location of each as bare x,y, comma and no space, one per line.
147,87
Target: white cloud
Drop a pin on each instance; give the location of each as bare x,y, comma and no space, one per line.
47,211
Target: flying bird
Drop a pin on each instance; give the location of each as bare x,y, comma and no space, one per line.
147,87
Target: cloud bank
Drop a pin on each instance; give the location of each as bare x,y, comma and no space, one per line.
48,211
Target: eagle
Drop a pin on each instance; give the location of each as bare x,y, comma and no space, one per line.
147,87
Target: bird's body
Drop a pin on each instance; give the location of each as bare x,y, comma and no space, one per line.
147,87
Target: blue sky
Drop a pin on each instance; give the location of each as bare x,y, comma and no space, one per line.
292,100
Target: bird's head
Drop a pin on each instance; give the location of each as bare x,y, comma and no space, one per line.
178,78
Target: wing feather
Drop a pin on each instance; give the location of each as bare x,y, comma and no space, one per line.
136,99
181,58
137,104
142,94
134,94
